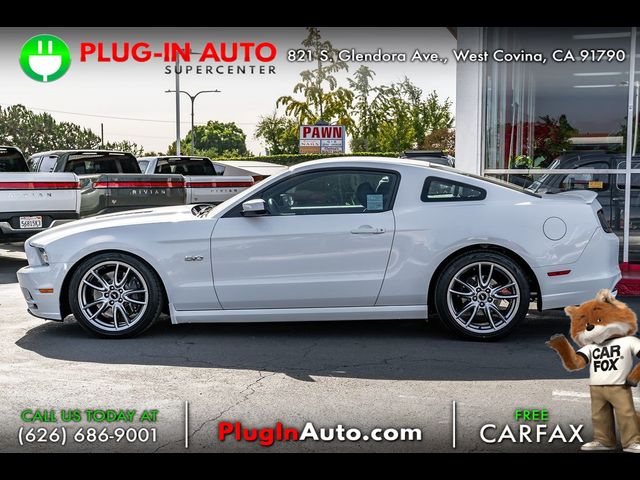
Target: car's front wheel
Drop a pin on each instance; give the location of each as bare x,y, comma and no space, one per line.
482,295
115,295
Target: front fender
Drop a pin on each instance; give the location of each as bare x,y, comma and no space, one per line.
188,284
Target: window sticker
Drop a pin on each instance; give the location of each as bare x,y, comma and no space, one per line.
374,202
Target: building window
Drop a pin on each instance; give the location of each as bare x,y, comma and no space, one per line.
566,113
535,112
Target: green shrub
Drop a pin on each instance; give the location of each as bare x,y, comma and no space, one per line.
293,159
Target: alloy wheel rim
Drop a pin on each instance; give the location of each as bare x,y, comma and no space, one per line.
483,297
113,296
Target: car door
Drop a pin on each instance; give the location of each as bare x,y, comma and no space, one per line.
324,242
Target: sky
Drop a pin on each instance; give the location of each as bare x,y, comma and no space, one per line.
129,99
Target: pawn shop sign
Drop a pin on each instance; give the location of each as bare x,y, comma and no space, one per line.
322,139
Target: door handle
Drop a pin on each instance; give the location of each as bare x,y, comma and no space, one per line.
368,230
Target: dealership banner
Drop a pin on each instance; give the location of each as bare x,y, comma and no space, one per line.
319,239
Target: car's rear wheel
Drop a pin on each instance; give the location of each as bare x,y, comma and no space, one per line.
115,295
482,295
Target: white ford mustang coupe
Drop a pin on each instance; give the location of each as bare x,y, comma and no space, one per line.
342,239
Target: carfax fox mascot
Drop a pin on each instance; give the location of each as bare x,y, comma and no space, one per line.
605,328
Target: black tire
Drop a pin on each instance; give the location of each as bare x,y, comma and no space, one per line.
141,276
483,326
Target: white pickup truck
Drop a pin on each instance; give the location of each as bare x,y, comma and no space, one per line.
203,182
33,202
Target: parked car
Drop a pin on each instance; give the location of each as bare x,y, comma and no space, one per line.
33,202
609,187
112,181
256,169
335,239
202,182
432,156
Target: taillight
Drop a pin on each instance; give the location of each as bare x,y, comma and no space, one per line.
603,222
139,184
39,185
196,184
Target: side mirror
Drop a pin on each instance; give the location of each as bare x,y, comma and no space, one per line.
254,208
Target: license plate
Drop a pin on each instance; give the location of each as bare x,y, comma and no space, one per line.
30,222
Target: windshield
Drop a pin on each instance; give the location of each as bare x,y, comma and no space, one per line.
186,166
494,181
12,161
98,163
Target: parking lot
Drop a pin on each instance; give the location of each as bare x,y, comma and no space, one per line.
363,374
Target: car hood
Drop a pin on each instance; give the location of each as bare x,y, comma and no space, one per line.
114,220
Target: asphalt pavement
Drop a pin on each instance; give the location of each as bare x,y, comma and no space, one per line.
387,374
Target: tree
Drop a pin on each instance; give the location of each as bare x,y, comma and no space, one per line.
396,132
154,154
214,139
36,132
428,115
279,134
369,103
322,98
125,146
406,120
443,139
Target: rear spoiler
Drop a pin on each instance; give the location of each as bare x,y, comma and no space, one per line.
586,196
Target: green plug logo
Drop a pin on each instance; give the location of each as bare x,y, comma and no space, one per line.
45,58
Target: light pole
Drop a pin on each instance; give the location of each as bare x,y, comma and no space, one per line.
177,107
193,101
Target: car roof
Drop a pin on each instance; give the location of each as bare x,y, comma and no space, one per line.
9,147
389,163
61,152
186,157
247,163
361,161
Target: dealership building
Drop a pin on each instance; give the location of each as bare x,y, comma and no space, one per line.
539,92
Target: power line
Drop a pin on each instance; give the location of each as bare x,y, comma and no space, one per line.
113,117
129,134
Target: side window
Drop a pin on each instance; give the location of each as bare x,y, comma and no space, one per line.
333,192
143,165
34,164
48,164
587,180
438,189
60,165
635,177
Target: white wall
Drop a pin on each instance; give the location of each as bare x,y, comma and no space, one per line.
469,88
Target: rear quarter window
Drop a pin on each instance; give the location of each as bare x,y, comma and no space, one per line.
437,189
